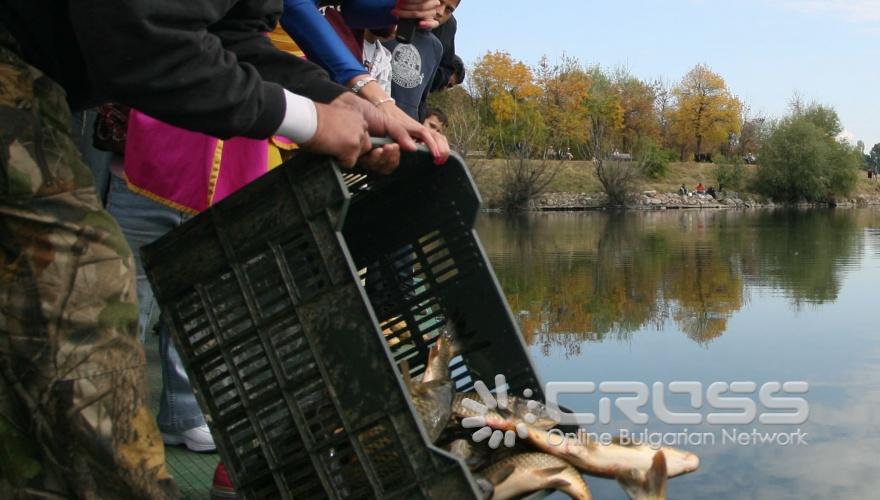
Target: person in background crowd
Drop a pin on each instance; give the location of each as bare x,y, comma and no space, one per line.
456,77
377,59
437,120
701,189
337,49
412,71
446,34
72,386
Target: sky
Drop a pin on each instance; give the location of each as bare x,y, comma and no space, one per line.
827,51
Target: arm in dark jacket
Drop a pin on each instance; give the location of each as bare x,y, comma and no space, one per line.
167,59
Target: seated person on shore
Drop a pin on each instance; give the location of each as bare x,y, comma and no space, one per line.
711,192
701,189
683,190
436,120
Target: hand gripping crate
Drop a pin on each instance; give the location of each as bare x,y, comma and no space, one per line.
294,304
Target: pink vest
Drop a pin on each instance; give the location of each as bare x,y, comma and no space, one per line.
190,171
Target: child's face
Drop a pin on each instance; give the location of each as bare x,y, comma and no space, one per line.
434,123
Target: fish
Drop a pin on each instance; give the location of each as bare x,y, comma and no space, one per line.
608,460
433,403
524,473
439,356
474,455
432,393
508,418
651,485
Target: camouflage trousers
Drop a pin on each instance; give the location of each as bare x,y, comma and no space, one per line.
73,415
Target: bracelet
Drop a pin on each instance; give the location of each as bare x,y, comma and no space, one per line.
362,83
383,101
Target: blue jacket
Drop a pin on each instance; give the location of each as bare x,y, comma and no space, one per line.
304,23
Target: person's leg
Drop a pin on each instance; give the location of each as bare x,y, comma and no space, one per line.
83,129
143,221
72,385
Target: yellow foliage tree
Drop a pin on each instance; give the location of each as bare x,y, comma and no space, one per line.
640,119
508,97
497,74
705,110
565,87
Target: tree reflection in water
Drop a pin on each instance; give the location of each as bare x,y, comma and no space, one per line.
575,278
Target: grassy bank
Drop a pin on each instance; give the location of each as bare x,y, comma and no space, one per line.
580,177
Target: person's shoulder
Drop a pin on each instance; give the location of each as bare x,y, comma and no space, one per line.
436,44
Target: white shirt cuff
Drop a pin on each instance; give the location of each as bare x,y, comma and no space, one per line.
300,118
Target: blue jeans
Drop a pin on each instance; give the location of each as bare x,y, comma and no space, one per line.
143,221
83,131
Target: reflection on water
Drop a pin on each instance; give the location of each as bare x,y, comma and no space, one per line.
580,277
713,296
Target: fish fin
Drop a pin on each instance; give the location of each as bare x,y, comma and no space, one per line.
650,484
486,487
502,474
655,482
632,482
551,471
578,489
558,484
434,350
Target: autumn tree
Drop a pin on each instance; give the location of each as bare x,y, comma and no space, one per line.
466,130
605,122
637,100
565,87
507,96
705,113
511,106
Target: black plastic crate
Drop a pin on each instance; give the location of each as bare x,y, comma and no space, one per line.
278,298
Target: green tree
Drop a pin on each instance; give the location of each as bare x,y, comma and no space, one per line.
802,159
874,156
618,178
730,174
653,159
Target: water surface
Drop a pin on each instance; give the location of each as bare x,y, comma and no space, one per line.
711,296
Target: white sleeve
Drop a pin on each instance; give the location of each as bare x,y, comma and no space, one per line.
300,118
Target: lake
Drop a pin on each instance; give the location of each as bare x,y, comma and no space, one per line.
712,296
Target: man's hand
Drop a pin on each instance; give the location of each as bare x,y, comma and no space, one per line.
382,160
425,10
389,120
342,133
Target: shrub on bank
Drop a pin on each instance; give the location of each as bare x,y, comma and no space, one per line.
802,160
